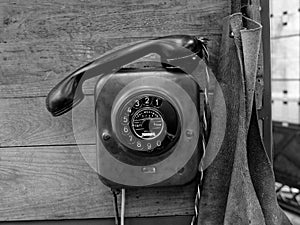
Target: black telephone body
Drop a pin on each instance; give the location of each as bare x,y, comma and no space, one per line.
147,120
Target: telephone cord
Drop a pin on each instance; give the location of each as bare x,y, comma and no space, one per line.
204,137
123,206
115,205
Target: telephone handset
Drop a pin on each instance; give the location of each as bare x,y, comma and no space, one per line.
147,121
176,50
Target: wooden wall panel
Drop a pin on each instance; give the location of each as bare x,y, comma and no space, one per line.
42,173
43,41
56,183
26,122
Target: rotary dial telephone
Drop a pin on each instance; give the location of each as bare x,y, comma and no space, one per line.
147,120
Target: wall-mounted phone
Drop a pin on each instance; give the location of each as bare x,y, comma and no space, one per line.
147,121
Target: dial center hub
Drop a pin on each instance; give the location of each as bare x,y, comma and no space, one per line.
147,123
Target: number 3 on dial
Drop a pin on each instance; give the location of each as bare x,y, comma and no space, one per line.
137,104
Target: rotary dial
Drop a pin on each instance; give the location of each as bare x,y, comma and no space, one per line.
148,123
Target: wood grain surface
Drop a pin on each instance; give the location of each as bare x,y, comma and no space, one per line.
26,122
43,41
56,183
42,173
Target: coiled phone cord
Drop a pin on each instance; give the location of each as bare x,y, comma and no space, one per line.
205,136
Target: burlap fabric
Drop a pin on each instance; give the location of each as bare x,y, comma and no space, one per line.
238,186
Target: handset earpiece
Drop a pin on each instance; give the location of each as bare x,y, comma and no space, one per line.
176,50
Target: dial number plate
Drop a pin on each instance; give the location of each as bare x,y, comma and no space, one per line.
147,123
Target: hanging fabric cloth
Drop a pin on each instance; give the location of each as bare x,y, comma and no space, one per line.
238,186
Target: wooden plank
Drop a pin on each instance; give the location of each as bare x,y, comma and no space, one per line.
34,82
36,75
26,122
42,42
40,183
57,19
